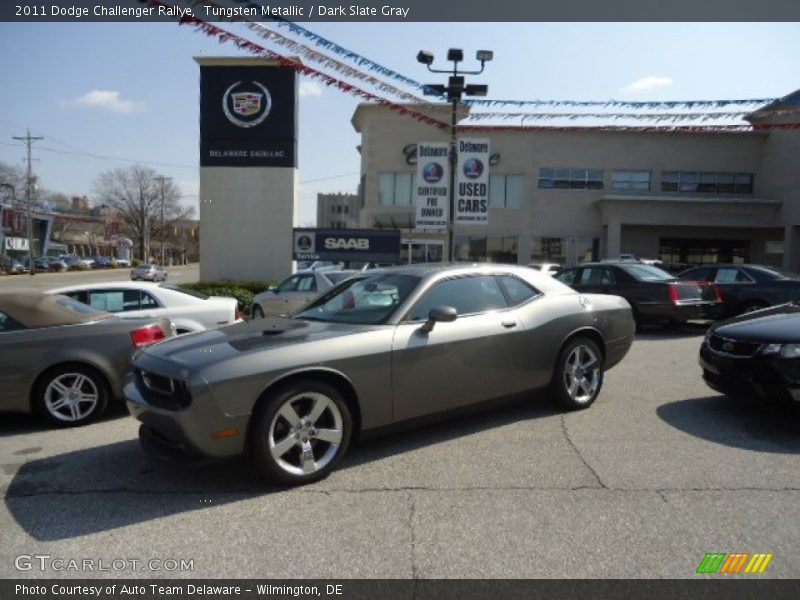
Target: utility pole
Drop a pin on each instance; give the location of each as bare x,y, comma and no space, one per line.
161,180
29,139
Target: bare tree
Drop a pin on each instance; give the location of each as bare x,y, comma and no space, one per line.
14,176
135,194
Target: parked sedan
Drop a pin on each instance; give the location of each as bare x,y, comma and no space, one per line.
64,360
655,295
746,288
757,354
188,310
386,346
148,272
295,291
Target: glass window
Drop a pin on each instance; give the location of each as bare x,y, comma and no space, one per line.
631,181
517,291
597,276
78,307
731,275
505,191
708,182
515,185
468,295
147,301
648,273
307,283
568,277
290,284
587,179
669,181
394,189
699,274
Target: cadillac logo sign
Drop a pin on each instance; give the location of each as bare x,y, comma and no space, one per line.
246,105
728,346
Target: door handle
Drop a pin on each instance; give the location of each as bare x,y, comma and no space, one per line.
509,324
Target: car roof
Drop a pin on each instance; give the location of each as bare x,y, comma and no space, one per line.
106,285
37,309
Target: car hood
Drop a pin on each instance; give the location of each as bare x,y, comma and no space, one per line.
197,350
778,324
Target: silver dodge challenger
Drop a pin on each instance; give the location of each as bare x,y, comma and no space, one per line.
382,347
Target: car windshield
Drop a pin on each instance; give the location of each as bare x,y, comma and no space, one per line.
370,300
649,273
338,276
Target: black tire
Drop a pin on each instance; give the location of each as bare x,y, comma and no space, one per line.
70,395
272,428
578,376
258,312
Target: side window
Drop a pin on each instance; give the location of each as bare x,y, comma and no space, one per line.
731,275
699,274
597,276
110,300
290,284
9,324
468,295
307,283
517,291
567,277
147,301
79,296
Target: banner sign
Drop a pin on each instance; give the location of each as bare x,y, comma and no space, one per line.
248,116
472,182
336,245
14,243
432,185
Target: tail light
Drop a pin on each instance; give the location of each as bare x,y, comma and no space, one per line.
146,335
673,293
718,292
237,314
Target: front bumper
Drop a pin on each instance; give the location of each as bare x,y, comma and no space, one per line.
768,378
197,431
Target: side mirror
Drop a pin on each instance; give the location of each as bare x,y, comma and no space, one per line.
444,314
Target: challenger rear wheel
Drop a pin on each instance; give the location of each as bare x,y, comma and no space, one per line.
301,433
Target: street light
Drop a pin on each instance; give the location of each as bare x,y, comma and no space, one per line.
455,89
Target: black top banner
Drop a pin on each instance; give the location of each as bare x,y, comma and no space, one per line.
248,116
403,10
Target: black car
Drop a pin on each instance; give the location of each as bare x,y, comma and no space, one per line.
746,288
757,354
655,295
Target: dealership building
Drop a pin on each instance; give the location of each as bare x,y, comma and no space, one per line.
567,195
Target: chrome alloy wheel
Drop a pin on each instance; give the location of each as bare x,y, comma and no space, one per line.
71,397
582,374
305,434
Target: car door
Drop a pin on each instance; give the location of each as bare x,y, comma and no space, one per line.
305,292
22,349
458,363
737,287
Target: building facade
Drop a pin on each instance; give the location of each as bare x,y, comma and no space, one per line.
569,196
338,211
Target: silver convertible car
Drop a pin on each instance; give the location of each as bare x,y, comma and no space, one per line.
382,347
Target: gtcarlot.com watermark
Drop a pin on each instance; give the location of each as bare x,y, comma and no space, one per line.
46,562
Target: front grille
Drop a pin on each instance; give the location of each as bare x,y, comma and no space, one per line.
162,391
733,347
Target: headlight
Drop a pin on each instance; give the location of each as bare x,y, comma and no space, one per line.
782,350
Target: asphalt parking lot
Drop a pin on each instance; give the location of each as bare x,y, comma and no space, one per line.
660,471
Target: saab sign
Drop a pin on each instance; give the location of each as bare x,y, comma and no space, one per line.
347,245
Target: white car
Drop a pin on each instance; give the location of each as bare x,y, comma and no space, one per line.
188,310
295,292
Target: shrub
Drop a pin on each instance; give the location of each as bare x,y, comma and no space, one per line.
243,291
79,267
135,262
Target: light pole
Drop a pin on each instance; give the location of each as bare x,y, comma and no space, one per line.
161,179
454,89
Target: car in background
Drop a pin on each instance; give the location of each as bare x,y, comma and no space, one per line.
547,268
72,260
148,272
102,262
655,296
386,346
747,287
316,265
122,262
64,360
13,267
188,310
45,263
756,354
295,291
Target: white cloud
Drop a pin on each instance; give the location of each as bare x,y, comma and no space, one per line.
310,88
108,100
647,84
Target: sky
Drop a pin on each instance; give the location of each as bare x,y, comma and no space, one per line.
109,95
